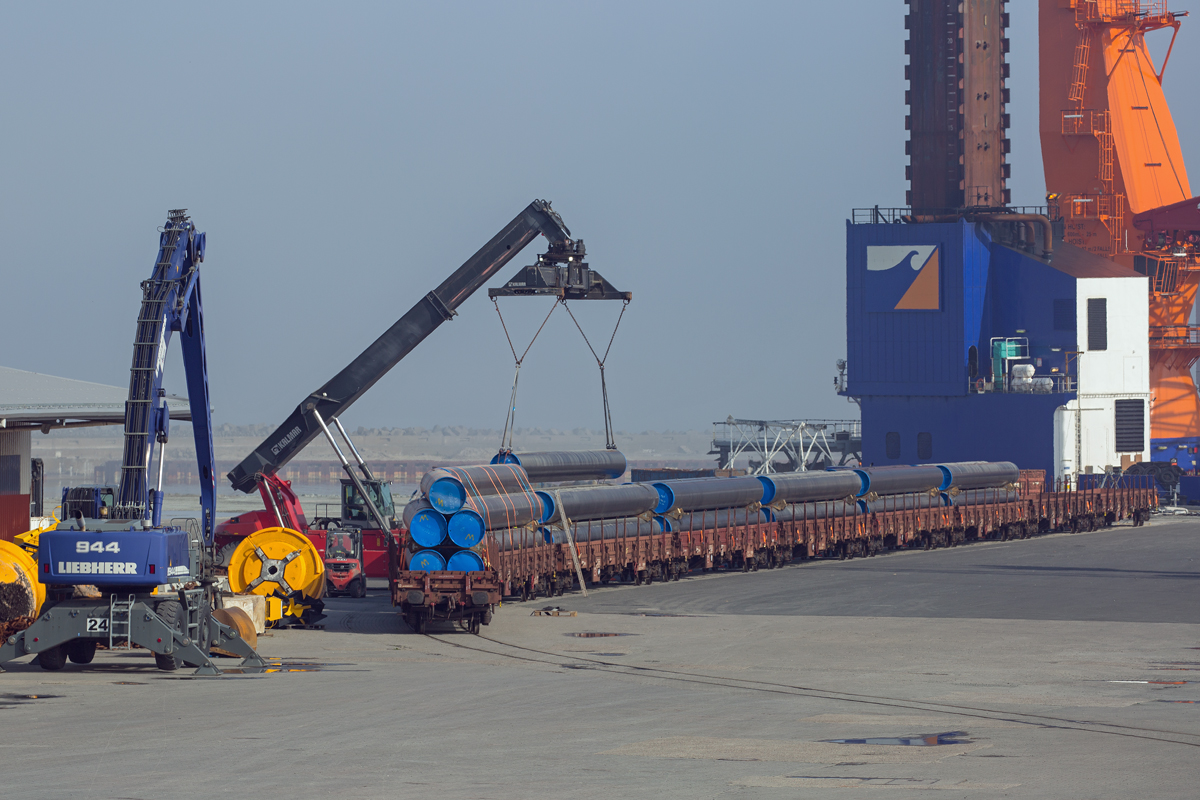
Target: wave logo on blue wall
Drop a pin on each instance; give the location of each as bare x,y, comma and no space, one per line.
903,278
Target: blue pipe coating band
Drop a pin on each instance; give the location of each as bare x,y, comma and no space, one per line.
666,498
547,506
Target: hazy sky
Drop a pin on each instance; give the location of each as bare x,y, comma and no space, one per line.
344,159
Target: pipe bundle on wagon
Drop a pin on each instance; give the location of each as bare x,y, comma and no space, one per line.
460,505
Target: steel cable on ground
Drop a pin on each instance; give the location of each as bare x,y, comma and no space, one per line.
1042,720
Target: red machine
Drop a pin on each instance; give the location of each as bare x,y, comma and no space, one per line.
344,572
283,509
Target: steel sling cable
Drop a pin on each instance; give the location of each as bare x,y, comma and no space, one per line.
510,417
609,444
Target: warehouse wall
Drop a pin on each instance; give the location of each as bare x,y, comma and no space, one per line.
14,483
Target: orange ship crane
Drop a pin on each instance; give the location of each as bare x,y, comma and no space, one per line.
1115,169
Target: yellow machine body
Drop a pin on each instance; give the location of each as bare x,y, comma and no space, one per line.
283,566
19,569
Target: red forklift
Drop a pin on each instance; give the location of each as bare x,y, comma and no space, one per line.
345,572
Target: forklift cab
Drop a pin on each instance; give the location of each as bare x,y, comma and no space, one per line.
345,572
355,511
91,502
343,544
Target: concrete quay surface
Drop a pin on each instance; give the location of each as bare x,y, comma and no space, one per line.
1066,666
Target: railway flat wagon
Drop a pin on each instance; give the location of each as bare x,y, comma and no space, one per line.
528,562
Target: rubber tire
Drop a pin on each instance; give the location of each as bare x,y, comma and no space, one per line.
53,658
225,554
171,612
82,651
360,587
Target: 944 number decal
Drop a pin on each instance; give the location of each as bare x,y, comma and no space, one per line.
84,546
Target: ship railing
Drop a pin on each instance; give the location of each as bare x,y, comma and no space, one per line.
1054,383
1163,337
878,215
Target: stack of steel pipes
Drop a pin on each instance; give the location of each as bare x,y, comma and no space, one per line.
457,506
460,505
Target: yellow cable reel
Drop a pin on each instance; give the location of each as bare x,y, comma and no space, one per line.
280,564
23,592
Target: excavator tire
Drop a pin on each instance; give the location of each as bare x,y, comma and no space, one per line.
55,658
82,651
172,613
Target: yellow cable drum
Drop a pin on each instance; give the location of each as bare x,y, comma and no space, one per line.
21,594
275,561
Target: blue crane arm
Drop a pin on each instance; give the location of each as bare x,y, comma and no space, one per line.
170,304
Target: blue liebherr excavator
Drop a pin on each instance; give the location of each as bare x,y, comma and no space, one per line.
155,581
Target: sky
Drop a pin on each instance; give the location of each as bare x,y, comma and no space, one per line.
344,159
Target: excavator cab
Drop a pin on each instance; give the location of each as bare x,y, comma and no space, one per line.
355,511
90,502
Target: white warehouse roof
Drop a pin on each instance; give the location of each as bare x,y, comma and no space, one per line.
31,400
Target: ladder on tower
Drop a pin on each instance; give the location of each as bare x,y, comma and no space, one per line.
1083,52
138,408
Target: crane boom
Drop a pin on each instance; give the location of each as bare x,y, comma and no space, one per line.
170,304
329,401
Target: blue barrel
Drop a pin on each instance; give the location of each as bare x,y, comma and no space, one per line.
427,561
466,528
465,561
426,526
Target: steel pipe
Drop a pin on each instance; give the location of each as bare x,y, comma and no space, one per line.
714,518
801,487
481,514
904,502
899,479
607,501
699,494
426,561
978,474
448,488
802,511
594,531
465,561
975,497
425,524
567,465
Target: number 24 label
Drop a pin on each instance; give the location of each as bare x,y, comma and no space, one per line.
97,547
